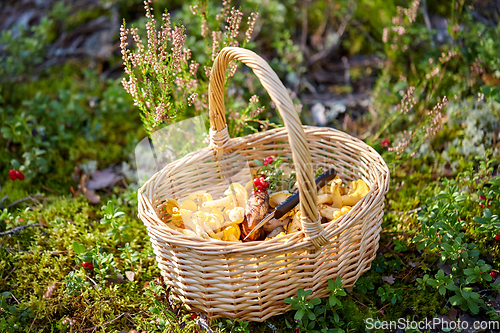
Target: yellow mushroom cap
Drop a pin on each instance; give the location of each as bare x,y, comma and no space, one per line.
356,191
295,225
325,199
231,233
277,198
237,214
239,192
334,190
171,203
189,205
328,211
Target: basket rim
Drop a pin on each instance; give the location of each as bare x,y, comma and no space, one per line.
285,242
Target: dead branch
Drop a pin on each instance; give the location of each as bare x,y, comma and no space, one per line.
21,227
31,197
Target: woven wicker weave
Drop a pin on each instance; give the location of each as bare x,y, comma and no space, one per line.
250,280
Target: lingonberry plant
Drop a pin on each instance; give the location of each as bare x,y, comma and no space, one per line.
274,175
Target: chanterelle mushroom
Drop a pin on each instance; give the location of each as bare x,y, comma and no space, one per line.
239,193
335,193
328,211
237,214
276,198
356,190
235,195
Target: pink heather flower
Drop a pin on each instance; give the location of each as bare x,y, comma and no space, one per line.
408,101
233,26
178,40
435,116
445,57
205,30
411,12
208,70
179,82
433,73
192,98
254,113
399,186
254,99
403,144
346,122
194,9
385,35
193,68
233,66
216,38
159,113
251,26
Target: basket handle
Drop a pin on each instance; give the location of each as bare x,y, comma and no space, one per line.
311,220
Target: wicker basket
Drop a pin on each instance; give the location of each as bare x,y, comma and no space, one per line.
250,281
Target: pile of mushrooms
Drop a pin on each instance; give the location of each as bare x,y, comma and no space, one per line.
333,201
199,215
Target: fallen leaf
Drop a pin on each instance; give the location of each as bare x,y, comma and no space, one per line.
452,314
119,279
445,267
388,279
102,178
42,221
92,196
130,275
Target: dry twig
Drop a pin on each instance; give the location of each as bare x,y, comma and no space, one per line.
24,199
21,227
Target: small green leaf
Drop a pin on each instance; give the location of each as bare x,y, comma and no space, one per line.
473,306
480,220
315,301
456,300
299,314
78,248
311,315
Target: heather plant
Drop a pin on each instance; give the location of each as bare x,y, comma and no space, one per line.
441,72
165,80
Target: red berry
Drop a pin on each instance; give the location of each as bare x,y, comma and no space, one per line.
88,265
259,187
297,330
256,182
386,143
12,174
265,162
193,316
265,184
270,159
19,175
497,237
493,275
482,197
